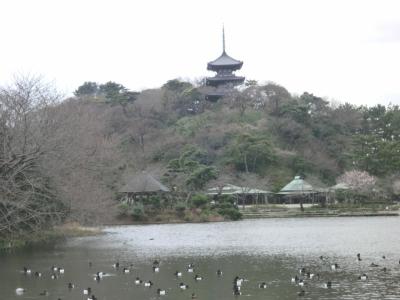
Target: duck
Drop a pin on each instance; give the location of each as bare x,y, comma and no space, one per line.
219,272
335,266
93,297
90,264
262,285
19,291
328,285
183,286
198,278
53,276
148,283
359,257
61,270
383,257
97,278
384,269
161,292
178,274
138,281
71,286
116,265
125,270
302,270
44,293
156,263
27,271
363,277
87,291
238,281
194,296
38,274
156,269
190,269
301,282
295,279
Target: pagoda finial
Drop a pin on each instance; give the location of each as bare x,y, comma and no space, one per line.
223,38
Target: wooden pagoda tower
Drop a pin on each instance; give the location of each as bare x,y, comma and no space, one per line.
225,79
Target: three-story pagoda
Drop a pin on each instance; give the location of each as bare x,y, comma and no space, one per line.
225,79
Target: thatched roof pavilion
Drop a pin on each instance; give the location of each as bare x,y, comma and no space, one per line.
143,184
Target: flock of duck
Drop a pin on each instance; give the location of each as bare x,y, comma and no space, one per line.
302,279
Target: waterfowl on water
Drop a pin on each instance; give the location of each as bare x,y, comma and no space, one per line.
156,263
19,291
27,271
125,270
198,278
61,270
161,292
116,265
71,285
262,285
237,281
335,266
194,296
44,293
156,269
138,281
359,257
178,274
363,277
219,272
295,279
87,291
38,274
384,269
383,257
190,269
53,276
148,283
328,285
93,297
302,270
183,286
301,282
97,278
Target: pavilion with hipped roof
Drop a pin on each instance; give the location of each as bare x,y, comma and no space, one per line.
142,186
243,195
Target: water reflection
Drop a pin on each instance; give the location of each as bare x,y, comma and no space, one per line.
270,251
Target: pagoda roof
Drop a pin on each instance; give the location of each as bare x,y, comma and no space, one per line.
224,61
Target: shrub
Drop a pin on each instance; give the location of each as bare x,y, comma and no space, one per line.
123,208
199,200
232,213
137,212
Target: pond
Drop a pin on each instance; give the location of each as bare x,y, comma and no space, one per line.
266,250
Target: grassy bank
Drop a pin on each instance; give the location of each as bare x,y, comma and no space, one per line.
291,211
48,237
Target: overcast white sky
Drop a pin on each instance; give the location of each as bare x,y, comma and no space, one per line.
348,51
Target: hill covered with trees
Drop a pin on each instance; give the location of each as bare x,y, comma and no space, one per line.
66,158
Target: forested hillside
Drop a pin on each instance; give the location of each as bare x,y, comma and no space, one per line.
70,156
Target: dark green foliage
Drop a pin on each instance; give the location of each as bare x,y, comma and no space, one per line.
225,206
251,153
199,200
88,88
110,92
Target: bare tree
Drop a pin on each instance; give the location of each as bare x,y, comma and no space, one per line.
27,201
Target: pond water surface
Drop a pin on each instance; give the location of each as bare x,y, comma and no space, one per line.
268,250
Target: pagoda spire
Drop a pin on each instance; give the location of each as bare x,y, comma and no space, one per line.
223,38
